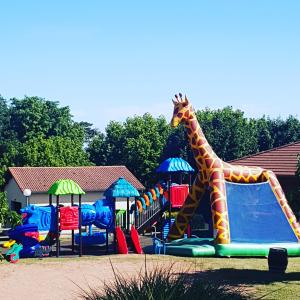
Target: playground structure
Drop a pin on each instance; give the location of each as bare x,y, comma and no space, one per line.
146,209
245,206
25,240
155,207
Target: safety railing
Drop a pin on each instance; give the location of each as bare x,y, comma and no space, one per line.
148,216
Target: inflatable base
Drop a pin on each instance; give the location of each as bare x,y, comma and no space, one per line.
191,247
251,249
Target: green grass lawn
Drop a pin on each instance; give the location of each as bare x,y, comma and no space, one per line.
253,274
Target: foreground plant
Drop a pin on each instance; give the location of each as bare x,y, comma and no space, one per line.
162,283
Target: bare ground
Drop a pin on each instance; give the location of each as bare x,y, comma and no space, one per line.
62,278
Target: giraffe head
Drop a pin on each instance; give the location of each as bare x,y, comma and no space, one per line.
182,109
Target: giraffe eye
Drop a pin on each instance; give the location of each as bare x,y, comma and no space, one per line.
176,111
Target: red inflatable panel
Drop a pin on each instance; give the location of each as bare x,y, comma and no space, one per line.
179,194
68,218
121,241
135,240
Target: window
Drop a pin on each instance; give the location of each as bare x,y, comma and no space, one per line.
16,206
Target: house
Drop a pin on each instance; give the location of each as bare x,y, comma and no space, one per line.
281,160
94,180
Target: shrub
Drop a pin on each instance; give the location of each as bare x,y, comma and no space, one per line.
162,283
6,215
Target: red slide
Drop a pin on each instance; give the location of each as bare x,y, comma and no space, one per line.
121,241
135,240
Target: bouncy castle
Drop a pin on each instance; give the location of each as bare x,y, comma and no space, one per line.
245,206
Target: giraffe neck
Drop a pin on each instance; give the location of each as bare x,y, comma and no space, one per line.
203,153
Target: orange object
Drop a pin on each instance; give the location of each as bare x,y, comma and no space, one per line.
139,205
152,191
160,189
147,201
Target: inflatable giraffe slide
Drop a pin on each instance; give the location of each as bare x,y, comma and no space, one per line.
248,206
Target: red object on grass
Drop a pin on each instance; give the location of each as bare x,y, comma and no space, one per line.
68,218
121,241
12,260
135,240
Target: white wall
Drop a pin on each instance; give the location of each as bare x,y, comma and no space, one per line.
43,198
15,194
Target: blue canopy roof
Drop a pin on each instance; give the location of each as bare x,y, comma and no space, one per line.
121,189
174,164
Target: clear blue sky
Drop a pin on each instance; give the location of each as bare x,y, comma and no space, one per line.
111,59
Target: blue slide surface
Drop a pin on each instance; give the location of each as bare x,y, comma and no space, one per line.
255,215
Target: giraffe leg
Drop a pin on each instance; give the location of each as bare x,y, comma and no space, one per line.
219,207
187,210
276,187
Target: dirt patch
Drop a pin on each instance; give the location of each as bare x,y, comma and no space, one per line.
59,278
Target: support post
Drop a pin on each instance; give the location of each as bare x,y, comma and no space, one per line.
106,233
127,216
115,226
80,224
73,244
50,199
57,227
169,190
135,214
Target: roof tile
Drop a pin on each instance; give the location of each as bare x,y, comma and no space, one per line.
281,160
92,178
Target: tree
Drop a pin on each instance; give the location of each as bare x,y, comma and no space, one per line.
89,131
55,151
97,149
7,217
145,139
265,139
285,131
34,116
38,132
136,143
230,134
3,117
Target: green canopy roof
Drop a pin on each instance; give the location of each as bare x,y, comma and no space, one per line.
121,189
65,187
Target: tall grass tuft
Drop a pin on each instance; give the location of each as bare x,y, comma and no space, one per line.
162,283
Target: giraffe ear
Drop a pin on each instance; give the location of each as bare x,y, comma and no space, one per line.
174,102
186,99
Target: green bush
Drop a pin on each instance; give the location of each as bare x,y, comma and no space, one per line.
162,283
7,217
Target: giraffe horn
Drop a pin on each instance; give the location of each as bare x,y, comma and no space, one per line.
186,99
180,95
